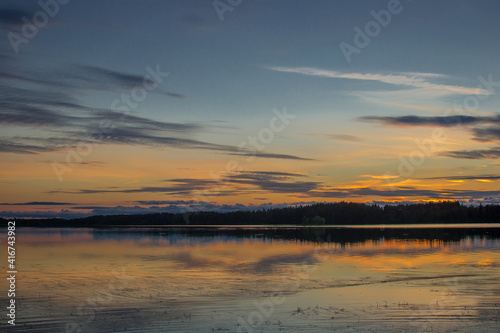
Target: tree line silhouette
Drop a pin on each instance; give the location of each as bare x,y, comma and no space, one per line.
341,213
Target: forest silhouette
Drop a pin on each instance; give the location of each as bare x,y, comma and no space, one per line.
341,213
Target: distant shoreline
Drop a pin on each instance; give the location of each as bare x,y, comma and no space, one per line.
316,215
289,226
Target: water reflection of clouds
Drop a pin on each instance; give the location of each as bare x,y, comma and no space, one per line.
250,254
254,255
187,260
169,268
268,264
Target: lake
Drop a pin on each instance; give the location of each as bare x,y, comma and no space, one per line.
257,279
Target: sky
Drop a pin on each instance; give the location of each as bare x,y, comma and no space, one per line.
121,106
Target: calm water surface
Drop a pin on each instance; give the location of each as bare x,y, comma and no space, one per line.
258,279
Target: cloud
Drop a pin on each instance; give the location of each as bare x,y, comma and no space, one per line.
405,79
7,146
272,155
142,136
268,264
51,100
256,181
273,182
488,134
96,78
344,137
165,202
92,75
481,134
478,154
474,197
77,77
488,177
443,121
84,163
126,136
277,174
37,203
175,95
50,104
444,194
24,114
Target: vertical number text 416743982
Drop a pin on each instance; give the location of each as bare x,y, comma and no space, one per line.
11,272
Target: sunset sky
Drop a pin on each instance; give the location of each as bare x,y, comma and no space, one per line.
146,106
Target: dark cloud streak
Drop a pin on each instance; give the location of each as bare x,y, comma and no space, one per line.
490,177
488,134
478,154
444,121
37,203
444,194
274,182
50,103
344,137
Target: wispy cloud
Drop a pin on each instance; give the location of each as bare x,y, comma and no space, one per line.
165,202
471,177
477,154
96,78
405,79
258,182
37,203
403,195
49,102
274,182
344,137
488,134
444,121
77,78
271,155
482,128
7,146
405,192
245,182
